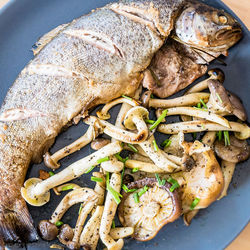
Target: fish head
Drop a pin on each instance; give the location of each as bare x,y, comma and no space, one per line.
206,28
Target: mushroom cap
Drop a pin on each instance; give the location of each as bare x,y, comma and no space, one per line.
217,74
157,207
49,162
135,111
47,230
237,151
26,193
66,233
101,115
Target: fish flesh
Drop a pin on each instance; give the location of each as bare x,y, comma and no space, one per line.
87,62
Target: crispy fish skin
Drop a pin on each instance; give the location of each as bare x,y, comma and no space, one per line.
92,60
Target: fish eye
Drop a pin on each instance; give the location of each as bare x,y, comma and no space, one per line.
222,19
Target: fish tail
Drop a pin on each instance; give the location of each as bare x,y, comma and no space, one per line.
16,225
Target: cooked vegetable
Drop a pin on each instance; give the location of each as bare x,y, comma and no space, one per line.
99,143
159,120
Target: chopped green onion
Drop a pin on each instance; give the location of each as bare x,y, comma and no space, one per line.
113,224
59,223
166,143
127,190
226,138
119,158
96,179
155,145
136,197
160,182
194,135
199,105
116,196
134,170
80,209
149,121
219,134
159,120
152,96
51,173
194,203
219,98
143,191
203,103
174,183
133,147
127,97
68,187
103,160
90,169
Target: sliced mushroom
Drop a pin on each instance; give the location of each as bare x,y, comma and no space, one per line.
237,151
242,131
209,138
47,230
100,187
99,143
36,191
110,207
143,166
120,134
104,112
156,207
113,165
216,74
186,100
121,232
51,161
228,171
66,234
90,234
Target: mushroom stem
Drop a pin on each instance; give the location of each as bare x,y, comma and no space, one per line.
109,213
228,171
208,115
158,157
70,199
71,172
209,138
103,113
121,232
100,187
186,100
113,165
243,131
121,134
90,234
51,161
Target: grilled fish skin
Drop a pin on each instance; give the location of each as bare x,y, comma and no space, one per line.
85,64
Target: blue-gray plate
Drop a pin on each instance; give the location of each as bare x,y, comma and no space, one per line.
22,22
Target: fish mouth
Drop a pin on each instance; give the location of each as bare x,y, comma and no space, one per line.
226,35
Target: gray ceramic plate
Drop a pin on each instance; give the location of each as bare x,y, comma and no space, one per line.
22,22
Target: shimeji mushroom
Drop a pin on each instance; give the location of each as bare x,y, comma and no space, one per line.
36,191
113,165
100,186
110,207
121,134
47,227
121,232
186,100
224,102
51,161
148,209
65,187
242,131
99,143
144,166
104,112
216,74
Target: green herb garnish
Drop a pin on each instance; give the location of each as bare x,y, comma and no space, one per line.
127,97
80,209
127,190
199,105
166,143
219,98
96,179
159,120
113,224
174,183
132,147
90,169
136,197
143,191
134,170
155,145
160,182
219,134
203,103
226,138
68,187
194,203
149,121
119,158
59,223
116,196
103,160
51,173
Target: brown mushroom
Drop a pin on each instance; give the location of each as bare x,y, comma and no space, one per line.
156,207
145,98
237,151
99,143
47,230
66,234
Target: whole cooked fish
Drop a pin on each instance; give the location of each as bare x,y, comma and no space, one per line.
90,61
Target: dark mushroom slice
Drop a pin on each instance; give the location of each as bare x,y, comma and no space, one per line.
47,230
237,151
66,234
156,207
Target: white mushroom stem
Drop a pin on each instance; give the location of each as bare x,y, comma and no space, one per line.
198,87
109,214
121,134
70,199
209,138
158,157
228,171
198,126
104,112
113,165
208,115
187,217
51,161
144,166
90,234
100,187
86,209
186,100
74,170
121,232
